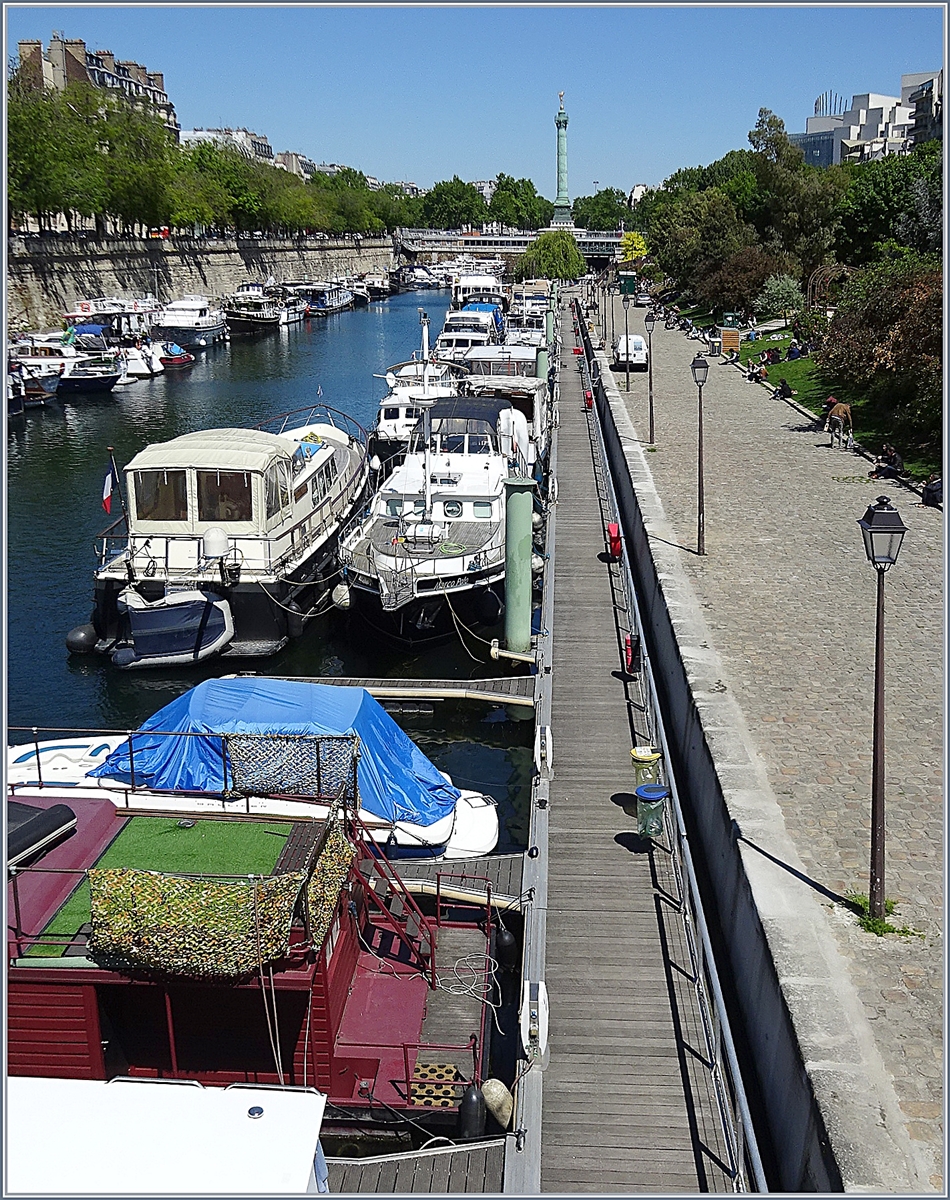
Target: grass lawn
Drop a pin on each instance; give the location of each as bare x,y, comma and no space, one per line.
160,844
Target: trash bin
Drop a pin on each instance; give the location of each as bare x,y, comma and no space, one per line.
650,801
715,346
646,763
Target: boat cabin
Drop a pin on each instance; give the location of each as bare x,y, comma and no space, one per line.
502,360
466,286
269,494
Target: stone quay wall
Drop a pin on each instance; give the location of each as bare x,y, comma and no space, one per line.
47,275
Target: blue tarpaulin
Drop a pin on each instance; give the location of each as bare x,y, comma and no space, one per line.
88,328
396,780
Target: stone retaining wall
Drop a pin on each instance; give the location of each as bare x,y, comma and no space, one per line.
47,275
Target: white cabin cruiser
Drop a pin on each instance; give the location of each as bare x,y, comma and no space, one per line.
424,377
260,746
431,549
228,541
194,322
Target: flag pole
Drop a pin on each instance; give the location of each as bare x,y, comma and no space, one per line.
118,483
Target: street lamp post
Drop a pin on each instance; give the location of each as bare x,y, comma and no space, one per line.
626,333
883,531
700,369
648,324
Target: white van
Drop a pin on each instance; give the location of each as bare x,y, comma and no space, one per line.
630,348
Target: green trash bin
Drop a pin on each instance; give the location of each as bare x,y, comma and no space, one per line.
651,799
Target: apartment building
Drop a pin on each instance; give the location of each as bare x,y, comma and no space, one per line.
67,60
252,146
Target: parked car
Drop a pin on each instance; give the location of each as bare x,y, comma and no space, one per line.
643,299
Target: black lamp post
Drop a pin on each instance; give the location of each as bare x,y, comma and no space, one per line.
649,323
883,531
700,369
626,334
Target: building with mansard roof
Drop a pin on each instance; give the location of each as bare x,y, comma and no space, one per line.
66,60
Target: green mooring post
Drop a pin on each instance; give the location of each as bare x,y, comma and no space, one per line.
519,504
544,363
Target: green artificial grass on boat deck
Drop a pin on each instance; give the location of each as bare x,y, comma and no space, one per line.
161,844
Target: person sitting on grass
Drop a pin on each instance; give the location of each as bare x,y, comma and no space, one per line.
888,465
757,374
784,391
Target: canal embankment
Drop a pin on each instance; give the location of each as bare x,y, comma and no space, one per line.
46,275
765,650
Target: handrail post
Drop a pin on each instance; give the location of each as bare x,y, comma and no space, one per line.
36,745
131,763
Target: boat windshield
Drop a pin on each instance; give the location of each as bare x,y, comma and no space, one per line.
458,435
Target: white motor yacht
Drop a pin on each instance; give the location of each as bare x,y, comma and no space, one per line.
227,540
193,322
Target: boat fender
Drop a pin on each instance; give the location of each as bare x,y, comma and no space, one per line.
506,949
82,639
295,619
341,597
498,1101
125,656
472,1113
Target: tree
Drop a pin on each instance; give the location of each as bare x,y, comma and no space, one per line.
452,203
734,286
551,256
692,237
605,210
897,198
633,245
886,337
781,293
516,203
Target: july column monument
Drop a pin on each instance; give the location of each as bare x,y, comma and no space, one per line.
562,218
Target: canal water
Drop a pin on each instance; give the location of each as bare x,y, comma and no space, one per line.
57,458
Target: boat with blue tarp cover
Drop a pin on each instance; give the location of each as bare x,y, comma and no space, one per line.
269,746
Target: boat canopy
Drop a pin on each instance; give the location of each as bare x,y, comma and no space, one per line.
396,780
227,449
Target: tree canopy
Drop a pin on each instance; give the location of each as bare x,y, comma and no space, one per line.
516,203
551,255
602,211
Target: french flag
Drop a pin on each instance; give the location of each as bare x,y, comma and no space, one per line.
108,483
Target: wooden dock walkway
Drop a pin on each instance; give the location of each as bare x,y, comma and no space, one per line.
507,689
629,1104
437,1171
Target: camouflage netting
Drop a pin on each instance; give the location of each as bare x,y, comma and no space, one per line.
210,928
201,928
329,875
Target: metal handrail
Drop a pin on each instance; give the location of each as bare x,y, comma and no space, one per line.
743,1141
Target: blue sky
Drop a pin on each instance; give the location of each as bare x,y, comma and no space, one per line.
427,91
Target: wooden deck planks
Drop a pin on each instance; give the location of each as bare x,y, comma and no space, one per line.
455,1171
618,1096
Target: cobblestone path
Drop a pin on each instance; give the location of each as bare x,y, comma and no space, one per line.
789,599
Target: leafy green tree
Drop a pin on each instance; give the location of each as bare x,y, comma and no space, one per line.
453,203
605,210
734,286
886,337
515,202
692,237
551,255
897,198
395,209
780,293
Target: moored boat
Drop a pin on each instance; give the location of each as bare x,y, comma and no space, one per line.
270,747
251,310
193,322
227,543
172,355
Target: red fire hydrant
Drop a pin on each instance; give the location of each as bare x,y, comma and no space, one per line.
614,540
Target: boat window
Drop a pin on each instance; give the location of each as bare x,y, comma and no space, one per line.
479,443
224,496
482,508
161,496
452,508
390,414
414,413
393,508
323,480
275,485
453,443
